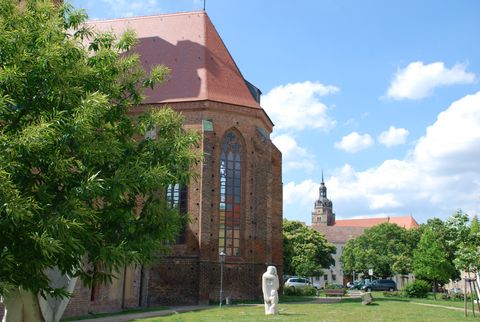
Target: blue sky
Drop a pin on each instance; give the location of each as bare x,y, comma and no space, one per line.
384,96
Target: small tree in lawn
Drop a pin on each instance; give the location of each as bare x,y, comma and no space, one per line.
430,260
306,251
79,189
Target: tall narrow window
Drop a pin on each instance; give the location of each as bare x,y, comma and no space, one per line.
230,195
176,197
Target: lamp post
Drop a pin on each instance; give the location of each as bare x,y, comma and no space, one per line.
222,262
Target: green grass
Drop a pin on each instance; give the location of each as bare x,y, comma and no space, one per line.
383,309
430,300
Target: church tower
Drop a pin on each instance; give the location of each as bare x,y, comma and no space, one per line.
323,212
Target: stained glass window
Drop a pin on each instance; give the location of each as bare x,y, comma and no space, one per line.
230,195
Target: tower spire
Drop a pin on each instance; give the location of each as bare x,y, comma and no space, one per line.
323,211
323,188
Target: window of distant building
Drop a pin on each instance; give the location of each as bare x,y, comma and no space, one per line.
230,195
334,277
325,277
176,197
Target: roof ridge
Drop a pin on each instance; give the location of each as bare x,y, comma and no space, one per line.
151,16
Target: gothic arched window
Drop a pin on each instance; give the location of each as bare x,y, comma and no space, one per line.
230,195
176,197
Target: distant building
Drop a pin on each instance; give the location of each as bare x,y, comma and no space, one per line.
338,232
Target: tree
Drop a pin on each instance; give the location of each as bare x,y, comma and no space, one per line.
430,259
80,190
385,248
474,225
449,234
306,251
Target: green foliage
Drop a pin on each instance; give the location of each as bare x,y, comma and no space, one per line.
475,225
309,291
79,190
430,260
306,251
289,290
417,289
387,248
306,291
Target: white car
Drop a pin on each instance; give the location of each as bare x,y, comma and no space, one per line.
297,282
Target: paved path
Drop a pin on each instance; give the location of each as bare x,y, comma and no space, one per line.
442,306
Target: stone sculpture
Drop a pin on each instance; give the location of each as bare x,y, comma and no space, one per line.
270,286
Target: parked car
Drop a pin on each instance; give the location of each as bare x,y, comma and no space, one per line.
380,285
297,282
359,284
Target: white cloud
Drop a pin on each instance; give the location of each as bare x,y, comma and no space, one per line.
452,143
440,175
297,106
418,81
354,142
393,136
305,192
293,156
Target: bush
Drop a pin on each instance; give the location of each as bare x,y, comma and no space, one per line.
309,291
417,288
289,291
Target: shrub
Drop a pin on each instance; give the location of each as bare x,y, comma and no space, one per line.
309,291
417,288
289,291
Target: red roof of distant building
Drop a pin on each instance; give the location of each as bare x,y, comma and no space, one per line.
202,67
403,221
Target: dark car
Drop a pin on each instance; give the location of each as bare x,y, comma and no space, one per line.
380,285
357,285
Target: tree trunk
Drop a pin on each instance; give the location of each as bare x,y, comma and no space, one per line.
477,281
22,306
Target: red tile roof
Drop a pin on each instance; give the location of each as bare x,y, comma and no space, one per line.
188,43
339,235
403,221
346,229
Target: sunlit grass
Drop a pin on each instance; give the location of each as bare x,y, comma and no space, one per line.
383,309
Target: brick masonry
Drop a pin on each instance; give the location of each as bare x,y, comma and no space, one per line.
190,273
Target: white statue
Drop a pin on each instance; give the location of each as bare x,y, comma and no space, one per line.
270,290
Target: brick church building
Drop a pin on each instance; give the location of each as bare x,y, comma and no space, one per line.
235,205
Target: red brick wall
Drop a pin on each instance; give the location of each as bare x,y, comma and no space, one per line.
261,224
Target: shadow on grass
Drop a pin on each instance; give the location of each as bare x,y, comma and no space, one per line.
124,312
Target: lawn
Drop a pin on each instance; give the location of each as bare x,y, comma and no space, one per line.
383,309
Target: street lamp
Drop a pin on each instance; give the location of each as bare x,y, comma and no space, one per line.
222,262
